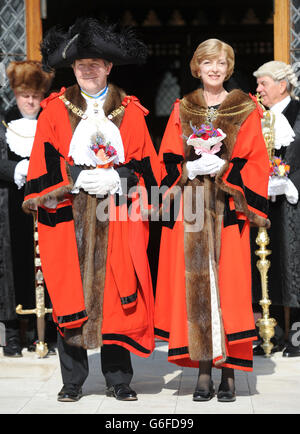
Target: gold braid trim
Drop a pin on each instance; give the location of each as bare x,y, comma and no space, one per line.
17,134
78,112
222,113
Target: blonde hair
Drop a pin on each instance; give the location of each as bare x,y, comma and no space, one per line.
210,49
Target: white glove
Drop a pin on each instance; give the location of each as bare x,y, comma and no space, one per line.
99,181
282,185
208,164
20,173
291,192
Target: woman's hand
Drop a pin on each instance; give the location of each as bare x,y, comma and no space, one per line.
208,164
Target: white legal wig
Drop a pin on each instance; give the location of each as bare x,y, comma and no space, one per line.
279,71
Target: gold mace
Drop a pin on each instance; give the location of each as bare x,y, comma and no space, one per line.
265,324
40,310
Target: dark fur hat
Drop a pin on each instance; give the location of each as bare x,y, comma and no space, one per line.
28,75
88,38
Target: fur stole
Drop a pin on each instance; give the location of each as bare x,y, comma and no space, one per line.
202,247
91,236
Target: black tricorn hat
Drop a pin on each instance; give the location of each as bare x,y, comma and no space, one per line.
87,39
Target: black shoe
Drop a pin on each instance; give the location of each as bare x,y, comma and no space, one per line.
259,351
51,351
204,395
122,392
225,394
12,349
31,347
291,351
69,395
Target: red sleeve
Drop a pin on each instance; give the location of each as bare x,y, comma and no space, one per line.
248,169
47,167
136,138
171,152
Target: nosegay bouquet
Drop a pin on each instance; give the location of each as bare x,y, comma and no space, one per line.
206,139
278,167
104,151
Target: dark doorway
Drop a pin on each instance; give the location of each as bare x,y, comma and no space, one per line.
172,31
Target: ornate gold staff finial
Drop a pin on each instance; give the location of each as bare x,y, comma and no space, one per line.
40,311
265,324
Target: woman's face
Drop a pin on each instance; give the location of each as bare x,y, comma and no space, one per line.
28,102
213,71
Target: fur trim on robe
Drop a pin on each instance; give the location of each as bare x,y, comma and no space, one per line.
206,335
91,236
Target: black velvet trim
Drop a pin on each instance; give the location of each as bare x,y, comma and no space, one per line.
121,200
253,199
52,219
230,217
239,362
161,333
129,299
125,339
256,201
72,317
291,111
171,161
178,351
7,172
234,176
170,218
143,167
53,175
242,335
75,172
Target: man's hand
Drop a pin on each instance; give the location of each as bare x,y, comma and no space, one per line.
20,174
283,185
99,181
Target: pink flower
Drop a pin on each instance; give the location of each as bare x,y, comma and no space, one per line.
206,139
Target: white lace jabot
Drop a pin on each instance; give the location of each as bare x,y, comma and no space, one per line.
80,146
284,134
20,136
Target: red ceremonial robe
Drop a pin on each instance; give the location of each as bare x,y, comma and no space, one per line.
203,296
109,291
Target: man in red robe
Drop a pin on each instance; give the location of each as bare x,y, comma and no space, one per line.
92,241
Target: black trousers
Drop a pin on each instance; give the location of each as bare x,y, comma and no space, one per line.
115,364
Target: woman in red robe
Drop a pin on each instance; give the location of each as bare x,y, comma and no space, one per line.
215,168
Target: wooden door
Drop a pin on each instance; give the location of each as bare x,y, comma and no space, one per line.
33,29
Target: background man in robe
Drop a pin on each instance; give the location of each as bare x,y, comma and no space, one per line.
276,82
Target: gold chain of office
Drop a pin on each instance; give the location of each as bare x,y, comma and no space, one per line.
211,113
80,113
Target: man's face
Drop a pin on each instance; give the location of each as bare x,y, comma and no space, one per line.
28,102
91,74
271,91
